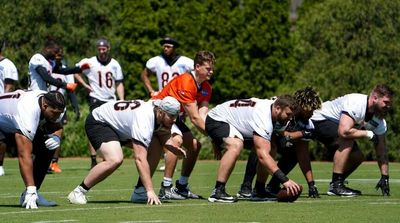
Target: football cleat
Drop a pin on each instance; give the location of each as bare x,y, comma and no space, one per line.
219,195
272,190
55,167
169,193
339,189
184,190
78,196
262,196
139,195
245,191
2,173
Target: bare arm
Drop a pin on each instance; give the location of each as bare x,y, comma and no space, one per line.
346,128
303,157
144,172
146,80
120,90
381,155
193,112
203,109
24,147
263,149
80,80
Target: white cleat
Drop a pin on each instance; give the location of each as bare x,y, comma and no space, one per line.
2,173
78,196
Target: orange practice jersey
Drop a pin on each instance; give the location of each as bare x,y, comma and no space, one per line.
185,90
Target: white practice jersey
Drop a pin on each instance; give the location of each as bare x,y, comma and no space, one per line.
35,81
165,73
20,110
247,116
132,119
102,78
7,71
355,105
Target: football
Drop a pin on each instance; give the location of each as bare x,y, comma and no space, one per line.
283,196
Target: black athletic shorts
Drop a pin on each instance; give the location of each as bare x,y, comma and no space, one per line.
7,138
94,103
99,132
217,131
326,132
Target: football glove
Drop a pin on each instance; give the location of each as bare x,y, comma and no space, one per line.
30,198
85,66
53,142
383,184
312,190
71,86
285,142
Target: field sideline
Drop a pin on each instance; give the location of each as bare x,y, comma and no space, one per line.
109,200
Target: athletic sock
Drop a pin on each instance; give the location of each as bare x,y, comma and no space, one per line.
219,185
93,158
183,180
167,181
337,177
83,185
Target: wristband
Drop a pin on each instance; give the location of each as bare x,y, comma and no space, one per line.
281,176
311,183
385,177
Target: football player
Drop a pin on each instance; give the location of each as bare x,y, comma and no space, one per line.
105,79
132,122
8,76
59,61
166,66
30,120
230,123
343,120
193,91
290,142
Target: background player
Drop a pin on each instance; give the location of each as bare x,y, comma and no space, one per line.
105,78
59,61
166,66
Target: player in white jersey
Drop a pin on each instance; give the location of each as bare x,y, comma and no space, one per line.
133,123
54,166
105,78
230,123
165,66
41,68
30,120
8,76
290,142
341,121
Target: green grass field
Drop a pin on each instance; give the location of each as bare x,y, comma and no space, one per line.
109,200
